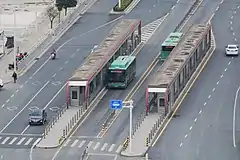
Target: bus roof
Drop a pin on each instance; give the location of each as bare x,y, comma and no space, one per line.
95,61
172,39
171,67
122,62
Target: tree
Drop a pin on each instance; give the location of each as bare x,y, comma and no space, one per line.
59,7
66,4
52,14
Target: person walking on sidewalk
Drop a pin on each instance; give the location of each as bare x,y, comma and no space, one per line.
14,77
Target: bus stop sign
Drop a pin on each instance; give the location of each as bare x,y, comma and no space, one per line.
115,104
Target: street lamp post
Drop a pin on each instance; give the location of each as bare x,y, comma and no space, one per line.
15,44
130,107
119,3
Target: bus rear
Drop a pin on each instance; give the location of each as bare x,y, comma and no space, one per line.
169,44
121,72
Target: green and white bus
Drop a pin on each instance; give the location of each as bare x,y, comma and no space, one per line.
168,45
121,72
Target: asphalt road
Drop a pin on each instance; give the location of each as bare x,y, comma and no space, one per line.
204,128
119,130
40,85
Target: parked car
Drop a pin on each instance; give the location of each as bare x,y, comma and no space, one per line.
38,117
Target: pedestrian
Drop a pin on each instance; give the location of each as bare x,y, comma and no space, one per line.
14,77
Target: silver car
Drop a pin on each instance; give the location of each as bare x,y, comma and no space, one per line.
37,117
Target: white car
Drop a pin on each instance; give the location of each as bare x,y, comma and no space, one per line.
232,50
1,83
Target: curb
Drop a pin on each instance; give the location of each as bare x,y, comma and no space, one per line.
75,15
93,105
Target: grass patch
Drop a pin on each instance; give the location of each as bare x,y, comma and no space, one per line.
125,4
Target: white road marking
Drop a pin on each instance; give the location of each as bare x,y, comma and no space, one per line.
119,149
235,12
66,143
36,142
225,69
229,63
66,62
173,7
21,86
81,144
25,129
7,100
190,128
3,105
26,82
24,106
195,120
222,76
20,142
54,75
90,144
231,28
217,8
230,22
217,82
234,116
5,140
104,147
96,146
17,90
29,141
238,6
186,136
12,95
181,144
209,96
13,140
111,148
30,77
235,39
233,34
78,49
221,1
74,143
231,17
200,112
213,89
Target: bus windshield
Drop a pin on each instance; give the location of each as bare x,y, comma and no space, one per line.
116,76
167,48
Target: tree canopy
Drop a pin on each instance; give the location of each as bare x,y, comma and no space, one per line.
65,4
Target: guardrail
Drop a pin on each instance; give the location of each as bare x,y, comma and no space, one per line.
139,121
54,120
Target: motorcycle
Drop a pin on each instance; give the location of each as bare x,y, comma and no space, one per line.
53,56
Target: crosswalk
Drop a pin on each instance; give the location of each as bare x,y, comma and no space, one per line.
13,141
149,29
93,145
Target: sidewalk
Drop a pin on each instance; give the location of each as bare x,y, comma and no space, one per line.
139,138
52,139
5,73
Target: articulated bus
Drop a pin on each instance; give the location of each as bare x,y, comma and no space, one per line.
168,45
121,72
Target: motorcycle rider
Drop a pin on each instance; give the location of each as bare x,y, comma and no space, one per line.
53,54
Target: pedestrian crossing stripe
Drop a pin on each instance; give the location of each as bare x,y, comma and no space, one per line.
25,141
94,145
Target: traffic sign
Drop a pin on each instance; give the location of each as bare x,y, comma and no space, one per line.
115,104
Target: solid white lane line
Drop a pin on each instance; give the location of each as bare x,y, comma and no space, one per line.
29,140
20,142
25,129
5,140
13,140
234,116
74,143
24,107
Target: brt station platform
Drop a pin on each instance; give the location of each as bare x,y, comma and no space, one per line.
90,79
167,85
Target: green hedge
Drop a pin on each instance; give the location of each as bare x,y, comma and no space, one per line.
125,4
